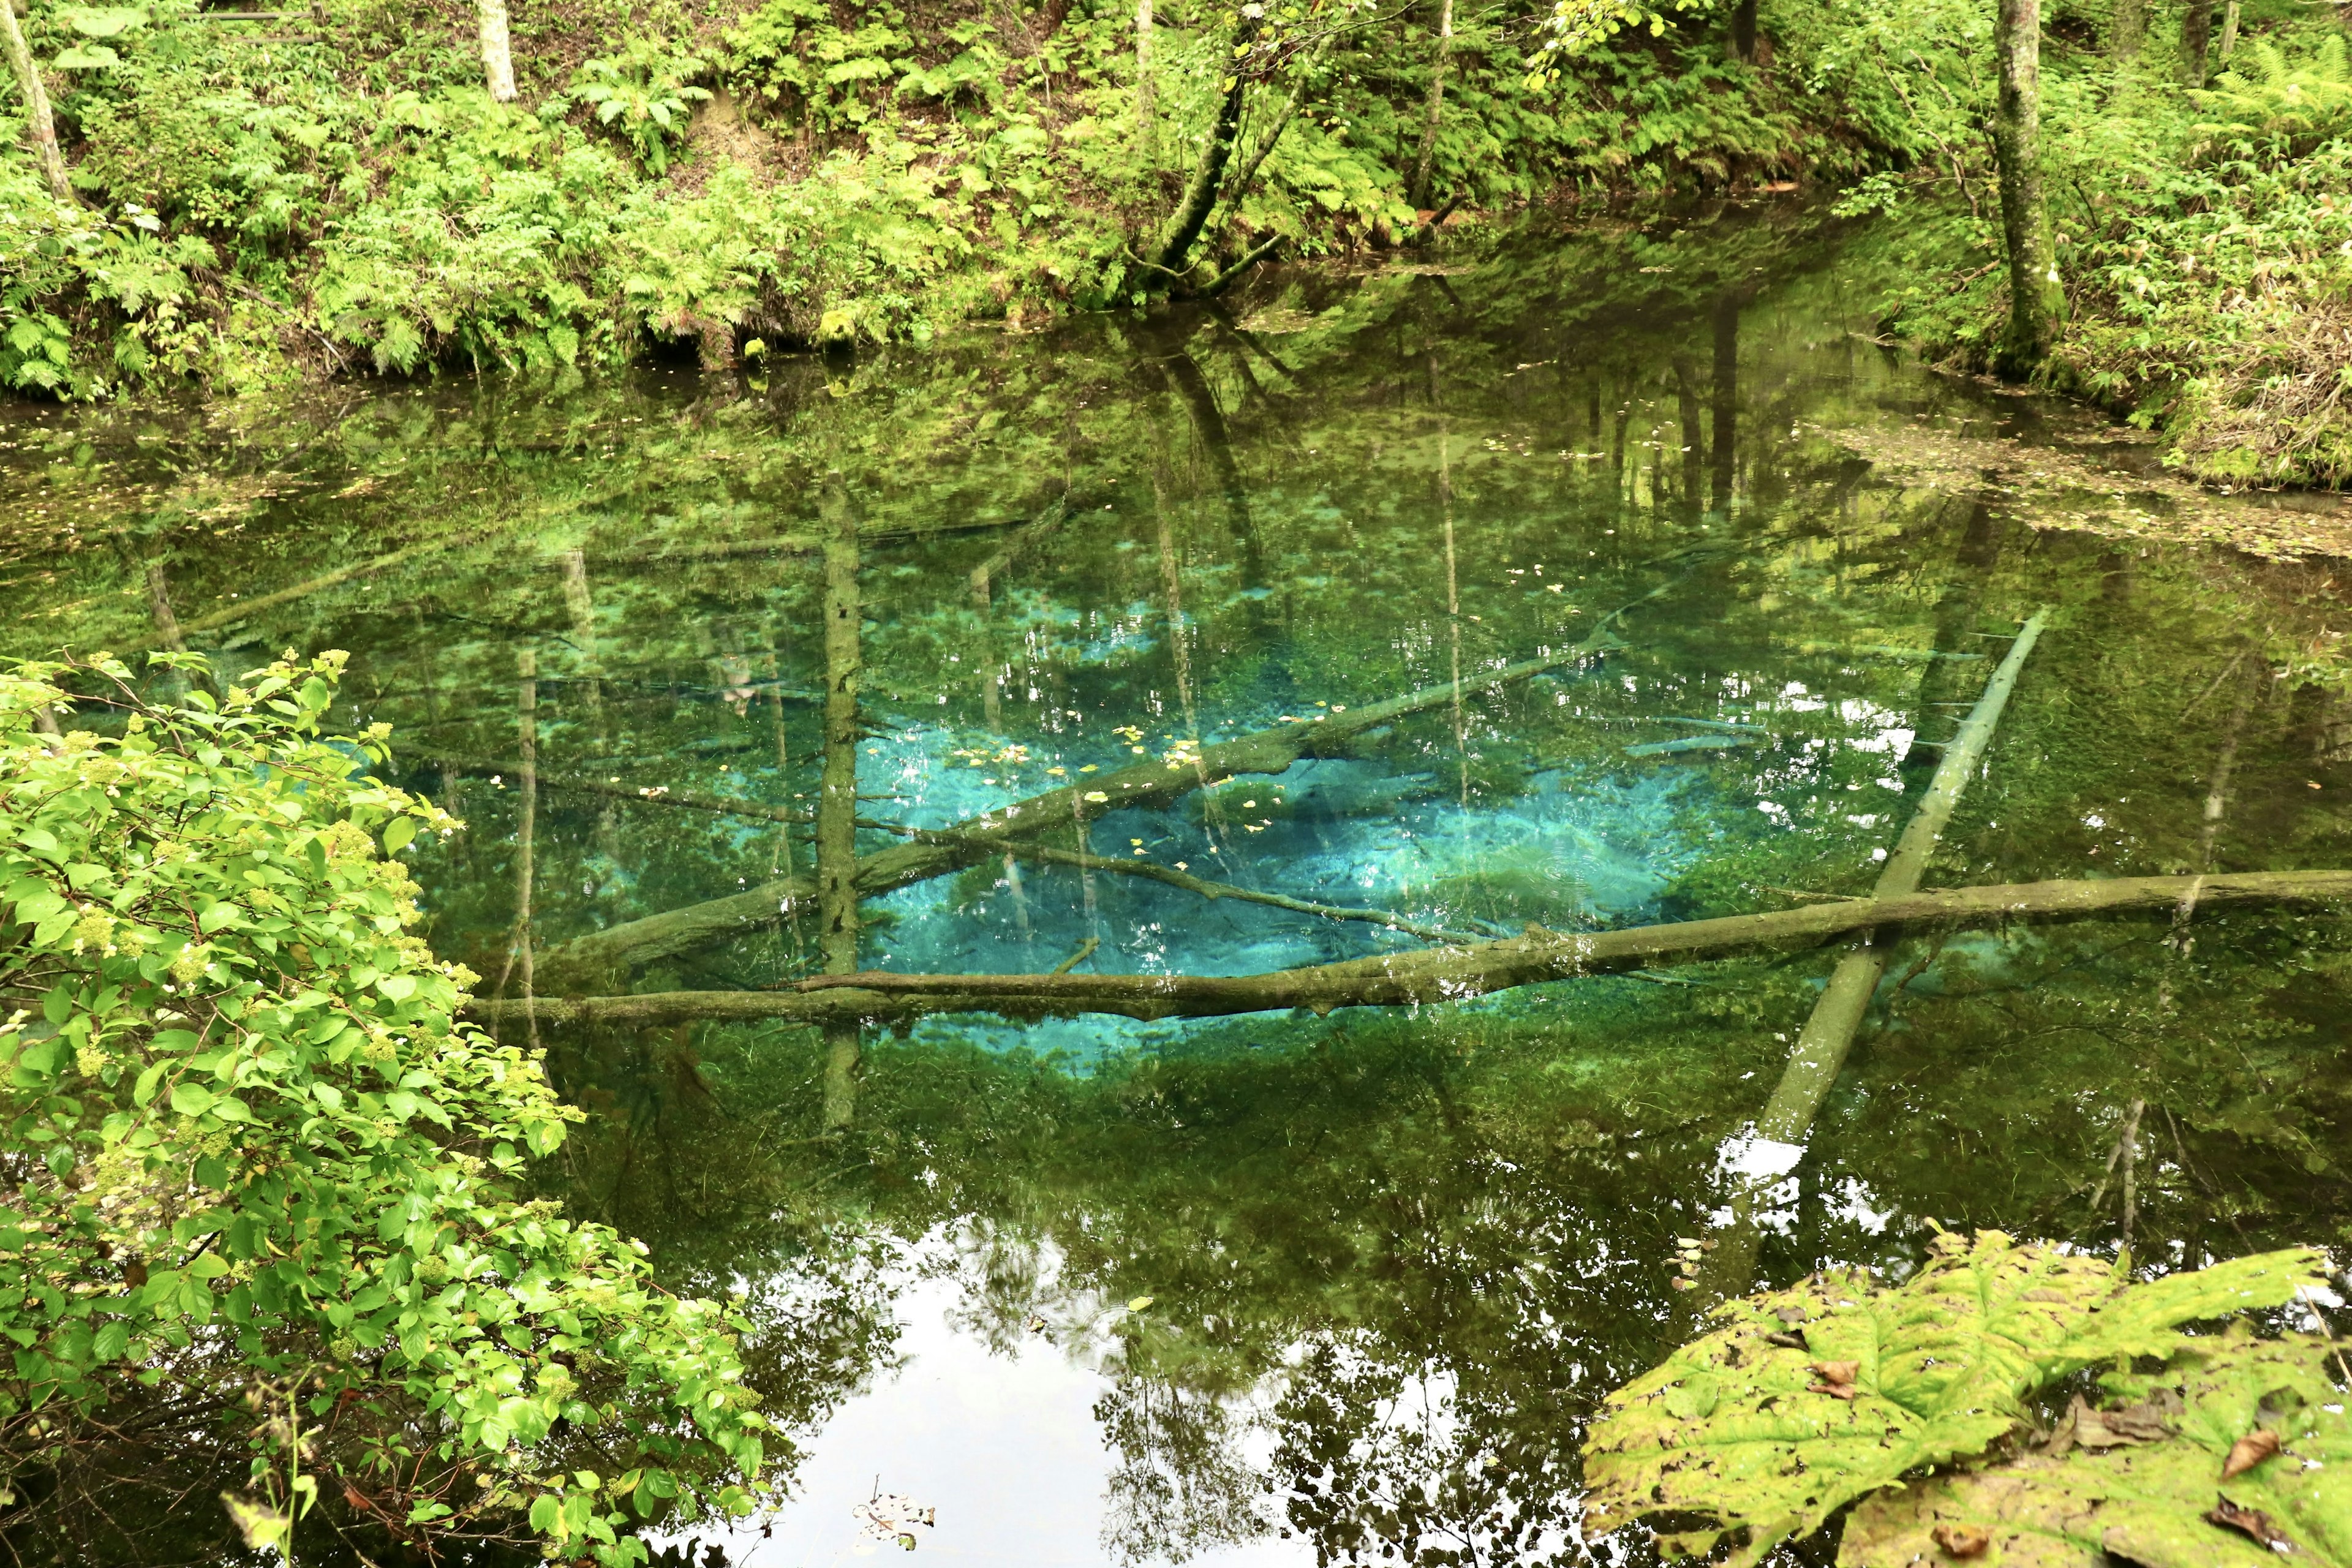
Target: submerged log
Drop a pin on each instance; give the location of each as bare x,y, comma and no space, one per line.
1828,1034
1145,785
1431,975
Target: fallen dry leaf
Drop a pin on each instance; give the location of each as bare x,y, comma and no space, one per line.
2253,1520
1961,1540
2249,1451
1837,1370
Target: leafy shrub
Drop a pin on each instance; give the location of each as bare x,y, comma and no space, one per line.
255,1160
645,92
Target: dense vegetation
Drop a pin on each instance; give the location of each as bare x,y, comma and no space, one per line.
240,202
255,1168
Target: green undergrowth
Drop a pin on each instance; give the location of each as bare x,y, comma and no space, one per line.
731,180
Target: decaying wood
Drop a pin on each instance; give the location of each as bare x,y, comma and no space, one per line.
1145,786
1431,975
1822,1046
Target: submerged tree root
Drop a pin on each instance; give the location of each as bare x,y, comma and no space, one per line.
1412,979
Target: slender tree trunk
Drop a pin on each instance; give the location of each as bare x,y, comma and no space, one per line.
1258,154
2196,40
1743,31
837,809
2229,32
1147,107
2127,30
1828,1034
498,54
2036,302
1201,195
1435,113
40,127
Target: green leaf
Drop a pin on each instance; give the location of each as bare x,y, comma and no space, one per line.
1942,1364
2152,1499
192,1098
103,21
398,833
86,57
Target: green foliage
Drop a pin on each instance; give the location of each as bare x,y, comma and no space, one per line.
2273,107
2156,1484
253,1153
645,92
1745,1426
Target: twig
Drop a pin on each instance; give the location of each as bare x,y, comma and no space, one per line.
1153,871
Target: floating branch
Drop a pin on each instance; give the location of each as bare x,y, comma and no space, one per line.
1429,976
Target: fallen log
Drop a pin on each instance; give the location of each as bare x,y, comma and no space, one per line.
1424,977
1821,1046
633,943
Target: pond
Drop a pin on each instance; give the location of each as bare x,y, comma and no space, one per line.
1291,1286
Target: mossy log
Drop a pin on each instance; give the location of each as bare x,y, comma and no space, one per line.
1431,975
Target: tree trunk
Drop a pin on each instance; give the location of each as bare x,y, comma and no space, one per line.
2127,30
1289,112
1201,195
2196,40
1431,975
1419,192
836,808
2035,299
1147,107
498,55
2229,32
1743,31
1724,434
40,127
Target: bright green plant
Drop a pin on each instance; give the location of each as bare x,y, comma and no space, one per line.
256,1164
1821,1394
2236,1452
645,92
2273,106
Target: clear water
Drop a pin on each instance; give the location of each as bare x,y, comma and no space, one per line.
1393,1260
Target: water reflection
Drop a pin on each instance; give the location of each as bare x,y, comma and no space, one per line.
674,645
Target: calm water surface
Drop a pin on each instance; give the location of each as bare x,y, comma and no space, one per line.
1291,1290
